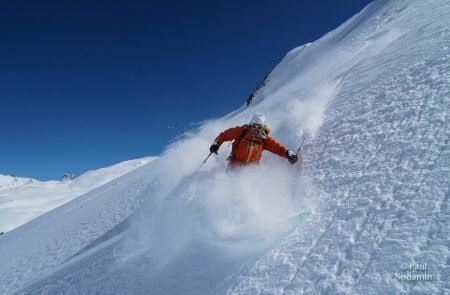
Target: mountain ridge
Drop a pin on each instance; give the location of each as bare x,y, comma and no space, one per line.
372,99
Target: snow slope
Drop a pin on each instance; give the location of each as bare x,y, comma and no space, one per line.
373,99
23,199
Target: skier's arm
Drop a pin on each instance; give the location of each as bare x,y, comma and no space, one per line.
275,147
229,134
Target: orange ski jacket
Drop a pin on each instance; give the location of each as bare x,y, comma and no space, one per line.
247,148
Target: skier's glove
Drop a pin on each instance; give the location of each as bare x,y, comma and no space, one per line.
292,158
214,147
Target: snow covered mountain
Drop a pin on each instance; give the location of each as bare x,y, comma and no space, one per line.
23,199
373,99
12,181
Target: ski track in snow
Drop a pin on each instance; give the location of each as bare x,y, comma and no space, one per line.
373,95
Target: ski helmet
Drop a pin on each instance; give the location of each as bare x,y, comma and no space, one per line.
258,119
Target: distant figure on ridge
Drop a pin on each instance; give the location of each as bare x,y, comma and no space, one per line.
250,141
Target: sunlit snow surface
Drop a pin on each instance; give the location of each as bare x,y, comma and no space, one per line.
373,99
23,199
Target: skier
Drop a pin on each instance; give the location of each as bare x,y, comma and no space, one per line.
250,141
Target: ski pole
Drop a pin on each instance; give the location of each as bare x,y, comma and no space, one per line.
207,158
300,147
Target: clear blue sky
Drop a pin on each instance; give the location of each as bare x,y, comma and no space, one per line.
87,84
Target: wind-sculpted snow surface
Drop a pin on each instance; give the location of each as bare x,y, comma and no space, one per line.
373,99
382,164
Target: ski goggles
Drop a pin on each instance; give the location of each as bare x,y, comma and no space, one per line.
258,130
